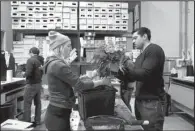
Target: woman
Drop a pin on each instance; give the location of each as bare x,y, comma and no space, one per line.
62,83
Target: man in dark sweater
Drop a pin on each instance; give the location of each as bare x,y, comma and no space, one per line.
148,73
33,76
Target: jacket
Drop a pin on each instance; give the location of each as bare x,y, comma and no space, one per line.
63,83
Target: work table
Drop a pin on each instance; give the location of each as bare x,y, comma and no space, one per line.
181,91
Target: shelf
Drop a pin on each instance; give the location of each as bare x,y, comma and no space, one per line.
43,32
101,32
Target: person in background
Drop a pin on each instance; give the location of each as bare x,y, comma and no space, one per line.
63,83
33,87
148,73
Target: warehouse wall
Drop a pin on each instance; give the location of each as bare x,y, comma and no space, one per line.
163,20
190,23
6,24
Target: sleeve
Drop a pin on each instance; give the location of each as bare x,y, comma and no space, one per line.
149,65
29,68
64,73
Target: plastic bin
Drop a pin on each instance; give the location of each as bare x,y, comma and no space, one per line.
96,101
6,112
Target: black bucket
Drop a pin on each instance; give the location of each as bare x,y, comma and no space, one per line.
96,101
6,112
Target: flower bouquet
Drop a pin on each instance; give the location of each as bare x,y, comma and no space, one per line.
111,60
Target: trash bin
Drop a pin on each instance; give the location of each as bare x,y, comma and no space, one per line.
96,101
6,112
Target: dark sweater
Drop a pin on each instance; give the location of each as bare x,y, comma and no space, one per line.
148,73
62,83
33,73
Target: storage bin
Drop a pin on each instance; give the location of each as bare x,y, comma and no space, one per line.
6,112
96,101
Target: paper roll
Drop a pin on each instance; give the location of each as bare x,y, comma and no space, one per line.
9,75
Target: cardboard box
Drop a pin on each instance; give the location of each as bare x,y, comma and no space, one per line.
59,3
14,8
65,9
15,125
66,15
83,27
97,16
66,21
97,21
82,21
51,9
51,3
125,16
97,27
73,10
73,27
14,2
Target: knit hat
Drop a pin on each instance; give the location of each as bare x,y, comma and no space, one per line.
57,39
34,50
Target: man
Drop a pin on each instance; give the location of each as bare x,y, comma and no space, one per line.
33,76
148,73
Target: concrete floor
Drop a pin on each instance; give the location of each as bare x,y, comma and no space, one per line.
172,122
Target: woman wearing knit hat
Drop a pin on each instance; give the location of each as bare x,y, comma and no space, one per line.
62,83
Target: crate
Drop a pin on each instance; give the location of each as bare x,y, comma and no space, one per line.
15,14
124,11
59,26
117,10
51,26
15,20
110,27
22,26
83,4
44,9
66,27
96,101
97,21
51,15
23,15
58,9
51,9
117,16
83,27
30,9
89,21
14,8
104,21
124,22
30,26
45,3
73,27
59,3
82,15
97,16
30,15
103,27
109,10
38,20
30,20
89,16
89,27
66,21
44,21
83,10
66,9
124,5
66,15
97,10
70,4
15,2
73,21
124,28
23,20
117,5
97,27
37,3
51,3
73,10
103,10
73,16
31,3
125,16
82,21
23,3
103,16
110,5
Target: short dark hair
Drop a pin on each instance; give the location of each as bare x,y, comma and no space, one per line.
143,30
34,50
